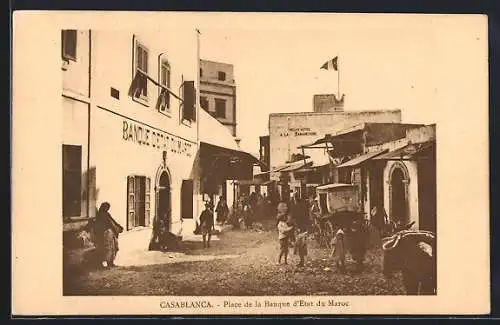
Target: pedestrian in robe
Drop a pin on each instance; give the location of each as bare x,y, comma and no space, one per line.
338,250
106,231
359,240
222,210
207,224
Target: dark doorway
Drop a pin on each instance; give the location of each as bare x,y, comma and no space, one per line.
399,211
376,189
163,206
427,193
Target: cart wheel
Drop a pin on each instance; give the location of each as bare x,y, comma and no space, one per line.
330,233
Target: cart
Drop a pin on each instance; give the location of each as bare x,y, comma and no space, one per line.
339,207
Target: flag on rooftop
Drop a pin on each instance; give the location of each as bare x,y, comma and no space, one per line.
330,64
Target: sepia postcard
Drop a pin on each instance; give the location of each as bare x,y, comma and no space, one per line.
249,163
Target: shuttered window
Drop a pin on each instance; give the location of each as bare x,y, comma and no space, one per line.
131,202
189,101
68,39
165,81
147,202
141,67
138,201
220,108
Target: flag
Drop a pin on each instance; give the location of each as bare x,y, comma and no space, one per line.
331,64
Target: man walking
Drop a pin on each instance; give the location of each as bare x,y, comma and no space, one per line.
207,224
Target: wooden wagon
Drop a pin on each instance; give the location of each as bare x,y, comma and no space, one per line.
339,207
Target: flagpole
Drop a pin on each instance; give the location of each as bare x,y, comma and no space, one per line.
338,78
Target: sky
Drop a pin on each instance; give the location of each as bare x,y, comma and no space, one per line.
382,65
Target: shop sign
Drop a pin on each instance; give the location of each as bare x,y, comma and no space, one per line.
145,136
298,132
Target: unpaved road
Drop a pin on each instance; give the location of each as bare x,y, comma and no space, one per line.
242,263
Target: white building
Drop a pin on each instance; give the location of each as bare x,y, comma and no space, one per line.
218,92
132,127
289,131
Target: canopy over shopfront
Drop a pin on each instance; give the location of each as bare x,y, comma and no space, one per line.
360,160
412,151
220,156
353,139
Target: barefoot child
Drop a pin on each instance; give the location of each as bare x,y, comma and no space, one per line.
284,231
301,246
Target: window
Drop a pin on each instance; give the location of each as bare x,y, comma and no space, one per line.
141,69
138,201
201,72
221,76
204,103
345,175
220,107
187,199
188,101
322,203
72,180
165,81
68,41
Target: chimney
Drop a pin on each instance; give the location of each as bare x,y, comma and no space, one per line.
328,103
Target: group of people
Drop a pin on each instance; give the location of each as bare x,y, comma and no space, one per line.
290,233
294,220
247,209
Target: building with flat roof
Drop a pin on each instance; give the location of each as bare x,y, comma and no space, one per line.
218,92
288,131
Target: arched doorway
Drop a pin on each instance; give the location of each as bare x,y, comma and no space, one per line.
399,194
163,199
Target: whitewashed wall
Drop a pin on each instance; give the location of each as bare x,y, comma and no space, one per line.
411,166
287,131
116,156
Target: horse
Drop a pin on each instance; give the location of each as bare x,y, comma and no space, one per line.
413,252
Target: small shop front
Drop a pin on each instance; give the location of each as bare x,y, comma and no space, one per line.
221,168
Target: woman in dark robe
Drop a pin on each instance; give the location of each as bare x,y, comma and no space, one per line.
106,231
222,210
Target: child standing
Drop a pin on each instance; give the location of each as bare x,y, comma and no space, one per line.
301,246
339,249
284,231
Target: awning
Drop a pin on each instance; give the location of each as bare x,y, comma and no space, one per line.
315,165
408,152
217,138
254,182
274,170
339,136
334,185
361,159
295,167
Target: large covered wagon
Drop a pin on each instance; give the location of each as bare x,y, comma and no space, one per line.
339,207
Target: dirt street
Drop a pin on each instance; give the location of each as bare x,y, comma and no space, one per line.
242,262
